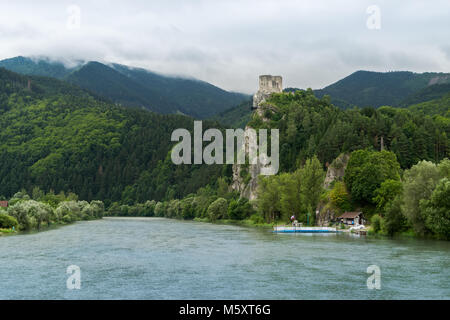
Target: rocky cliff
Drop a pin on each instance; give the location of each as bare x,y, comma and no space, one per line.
336,170
325,212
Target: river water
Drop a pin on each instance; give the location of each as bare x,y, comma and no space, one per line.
153,258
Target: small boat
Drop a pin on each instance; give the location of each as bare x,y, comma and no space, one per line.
297,227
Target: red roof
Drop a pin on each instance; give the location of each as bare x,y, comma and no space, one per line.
349,215
3,204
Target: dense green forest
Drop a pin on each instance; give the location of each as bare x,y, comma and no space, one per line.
311,126
58,136
236,117
433,92
439,106
134,87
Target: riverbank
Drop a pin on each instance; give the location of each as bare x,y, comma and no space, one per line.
4,231
242,223
43,228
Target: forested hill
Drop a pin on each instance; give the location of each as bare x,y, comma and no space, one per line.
57,136
375,89
310,126
135,87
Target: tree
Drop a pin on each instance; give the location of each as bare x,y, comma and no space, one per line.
30,214
289,185
437,210
394,220
218,209
240,209
8,222
312,176
387,191
376,223
339,197
419,183
222,187
98,208
367,170
159,209
268,200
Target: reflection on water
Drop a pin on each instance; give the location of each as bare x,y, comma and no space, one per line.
152,258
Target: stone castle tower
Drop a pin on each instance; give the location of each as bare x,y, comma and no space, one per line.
267,84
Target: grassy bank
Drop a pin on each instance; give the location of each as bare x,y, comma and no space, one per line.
244,223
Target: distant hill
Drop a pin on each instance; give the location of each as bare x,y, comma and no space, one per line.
38,67
432,92
367,88
439,106
135,87
236,117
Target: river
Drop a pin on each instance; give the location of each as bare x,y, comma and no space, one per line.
156,258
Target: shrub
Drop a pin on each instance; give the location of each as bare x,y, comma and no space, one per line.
240,209
218,209
30,213
256,219
376,223
7,221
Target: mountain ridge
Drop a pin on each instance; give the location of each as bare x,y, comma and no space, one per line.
136,87
370,88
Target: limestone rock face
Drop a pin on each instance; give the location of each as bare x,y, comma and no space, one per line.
245,177
246,190
325,213
336,170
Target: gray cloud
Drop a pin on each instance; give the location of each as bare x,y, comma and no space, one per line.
229,43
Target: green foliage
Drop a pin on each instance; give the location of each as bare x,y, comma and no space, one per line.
431,100
312,176
388,190
394,220
297,193
376,223
217,209
59,137
437,210
419,183
240,209
367,170
339,197
256,219
268,200
7,221
236,117
288,187
310,126
49,208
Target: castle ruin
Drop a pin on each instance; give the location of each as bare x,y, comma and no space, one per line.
267,85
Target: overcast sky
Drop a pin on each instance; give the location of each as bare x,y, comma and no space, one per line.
230,42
